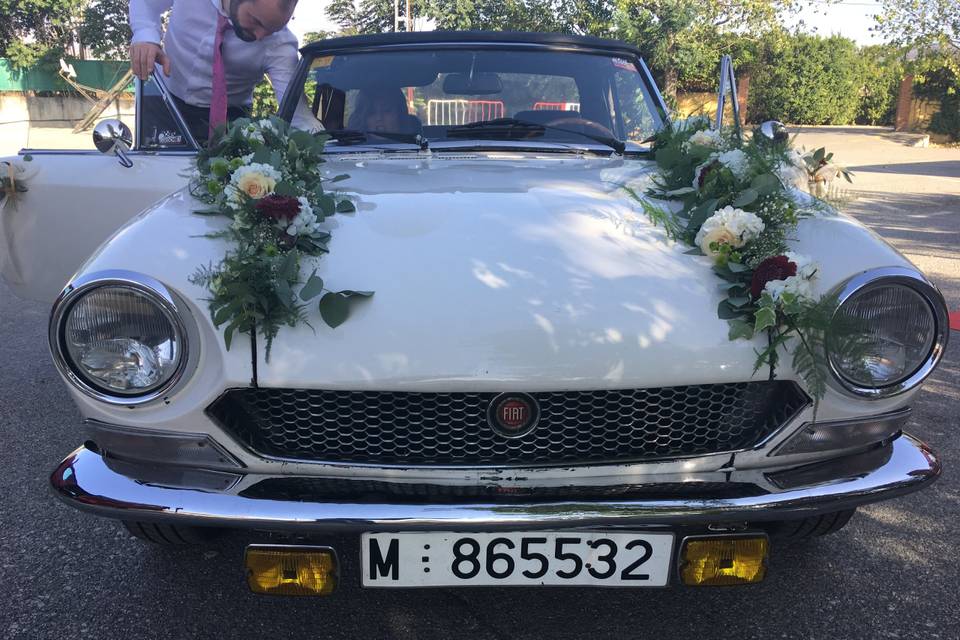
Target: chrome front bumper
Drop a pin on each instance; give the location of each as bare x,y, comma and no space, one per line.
85,481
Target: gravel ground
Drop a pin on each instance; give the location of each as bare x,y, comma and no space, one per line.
890,574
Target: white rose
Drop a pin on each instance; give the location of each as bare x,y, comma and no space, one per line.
731,226
800,287
737,161
706,138
806,268
690,123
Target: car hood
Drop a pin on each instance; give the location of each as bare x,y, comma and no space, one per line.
492,272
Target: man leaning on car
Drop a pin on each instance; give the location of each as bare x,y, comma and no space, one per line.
214,52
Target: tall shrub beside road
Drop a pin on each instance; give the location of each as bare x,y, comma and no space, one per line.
881,71
807,79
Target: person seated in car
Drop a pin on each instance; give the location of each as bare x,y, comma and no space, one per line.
382,109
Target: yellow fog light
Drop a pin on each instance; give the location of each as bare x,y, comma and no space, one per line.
291,570
723,560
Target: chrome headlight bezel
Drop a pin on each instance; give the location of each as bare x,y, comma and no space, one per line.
172,307
938,309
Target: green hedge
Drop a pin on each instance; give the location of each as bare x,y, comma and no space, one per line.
807,80
101,74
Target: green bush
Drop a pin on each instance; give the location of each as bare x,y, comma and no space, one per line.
807,80
880,74
942,85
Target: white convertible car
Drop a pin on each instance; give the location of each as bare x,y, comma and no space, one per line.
540,393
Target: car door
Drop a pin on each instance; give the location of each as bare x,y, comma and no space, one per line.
76,199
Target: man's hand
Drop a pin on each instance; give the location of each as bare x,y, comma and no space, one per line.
143,57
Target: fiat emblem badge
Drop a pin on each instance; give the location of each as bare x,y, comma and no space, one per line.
513,414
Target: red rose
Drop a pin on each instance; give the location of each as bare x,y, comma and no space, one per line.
702,176
279,208
775,268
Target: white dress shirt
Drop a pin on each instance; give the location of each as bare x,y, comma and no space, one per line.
188,42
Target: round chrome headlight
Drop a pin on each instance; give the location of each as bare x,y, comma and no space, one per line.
119,338
889,331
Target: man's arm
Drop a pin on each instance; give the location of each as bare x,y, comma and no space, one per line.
145,50
281,63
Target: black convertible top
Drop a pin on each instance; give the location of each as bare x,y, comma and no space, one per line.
402,38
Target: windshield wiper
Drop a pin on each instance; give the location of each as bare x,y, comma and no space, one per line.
512,128
352,136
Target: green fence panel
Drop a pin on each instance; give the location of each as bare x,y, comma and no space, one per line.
100,74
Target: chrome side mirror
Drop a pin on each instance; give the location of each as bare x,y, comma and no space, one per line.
775,131
112,136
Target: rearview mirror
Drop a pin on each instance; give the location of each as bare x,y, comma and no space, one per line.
477,84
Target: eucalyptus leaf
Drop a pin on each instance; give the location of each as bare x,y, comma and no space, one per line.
765,184
286,189
736,267
668,157
725,311
738,301
334,309
700,213
312,288
228,333
339,178
261,156
345,206
284,293
680,192
747,196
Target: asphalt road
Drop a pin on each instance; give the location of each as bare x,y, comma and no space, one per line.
892,573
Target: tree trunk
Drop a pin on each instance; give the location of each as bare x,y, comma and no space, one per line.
670,83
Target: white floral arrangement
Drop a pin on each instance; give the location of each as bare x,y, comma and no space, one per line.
738,204
265,177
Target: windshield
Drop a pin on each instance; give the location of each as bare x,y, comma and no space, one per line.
471,96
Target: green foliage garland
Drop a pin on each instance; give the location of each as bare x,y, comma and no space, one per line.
737,207
265,177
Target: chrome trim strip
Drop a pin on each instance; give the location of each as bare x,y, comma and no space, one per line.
176,310
938,307
84,481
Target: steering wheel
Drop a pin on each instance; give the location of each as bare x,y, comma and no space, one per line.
589,125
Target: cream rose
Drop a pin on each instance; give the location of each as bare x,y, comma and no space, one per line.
717,236
256,185
254,180
730,226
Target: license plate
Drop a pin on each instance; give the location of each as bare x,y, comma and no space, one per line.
557,558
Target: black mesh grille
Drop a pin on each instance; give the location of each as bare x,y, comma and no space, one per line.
408,428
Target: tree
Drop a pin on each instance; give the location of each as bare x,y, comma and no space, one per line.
932,26
367,16
35,30
106,28
686,38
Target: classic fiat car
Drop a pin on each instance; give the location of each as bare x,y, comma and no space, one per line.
540,392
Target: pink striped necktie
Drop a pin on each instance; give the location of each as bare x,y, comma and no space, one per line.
218,97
